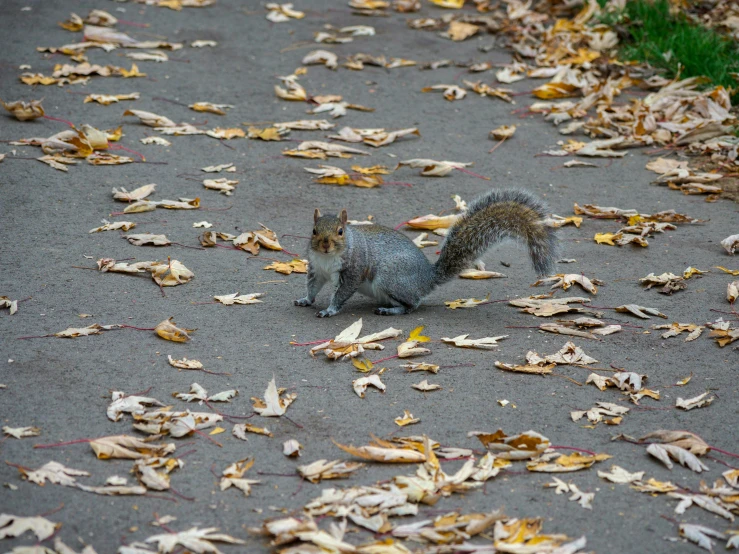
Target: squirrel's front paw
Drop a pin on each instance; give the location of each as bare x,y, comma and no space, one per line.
303,302
326,313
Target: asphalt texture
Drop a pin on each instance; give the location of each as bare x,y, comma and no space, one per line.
63,385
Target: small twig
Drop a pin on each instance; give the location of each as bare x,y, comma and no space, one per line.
121,147
170,101
568,378
291,253
496,146
277,474
186,246
50,512
295,236
308,343
58,119
211,439
399,226
384,359
174,491
463,170
724,452
138,328
558,447
298,425
66,443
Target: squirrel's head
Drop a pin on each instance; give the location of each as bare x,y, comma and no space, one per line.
328,233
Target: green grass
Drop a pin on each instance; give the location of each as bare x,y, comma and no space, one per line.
674,43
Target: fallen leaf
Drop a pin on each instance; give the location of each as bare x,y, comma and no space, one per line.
699,401
21,432
487,343
425,386
504,132
323,469
209,107
360,385
273,405
465,302
169,331
240,430
234,298
14,526
25,111
406,419
195,539
292,448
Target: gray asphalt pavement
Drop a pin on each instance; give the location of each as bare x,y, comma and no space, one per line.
63,386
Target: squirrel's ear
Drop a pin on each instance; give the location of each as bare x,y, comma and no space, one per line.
316,215
343,217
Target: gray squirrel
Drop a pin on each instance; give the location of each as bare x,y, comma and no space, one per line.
385,264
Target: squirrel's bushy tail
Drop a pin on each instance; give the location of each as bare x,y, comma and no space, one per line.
498,215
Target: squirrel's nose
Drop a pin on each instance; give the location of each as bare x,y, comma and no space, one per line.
325,243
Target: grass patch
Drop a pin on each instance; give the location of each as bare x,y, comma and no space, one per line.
675,44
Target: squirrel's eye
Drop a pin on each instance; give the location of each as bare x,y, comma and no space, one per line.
314,232
341,232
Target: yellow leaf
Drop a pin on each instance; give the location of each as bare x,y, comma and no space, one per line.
729,271
406,419
169,331
217,431
364,365
555,90
374,170
451,4
689,272
606,238
268,133
133,72
335,180
417,336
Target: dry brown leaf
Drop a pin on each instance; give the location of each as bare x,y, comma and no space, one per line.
209,107
323,469
25,111
525,446
169,331
273,404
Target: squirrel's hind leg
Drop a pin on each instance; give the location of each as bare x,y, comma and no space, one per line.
395,310
400,308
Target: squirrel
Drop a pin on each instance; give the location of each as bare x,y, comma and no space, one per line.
386,265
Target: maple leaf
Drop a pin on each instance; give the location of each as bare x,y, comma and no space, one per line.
21,432
241,429
360,385
218,109
699,401
518,447
194,539
128,448
487,343
323,469
234,298
433,168
387,453
14,526
233,476
169,331
25,111
273,405
465,302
